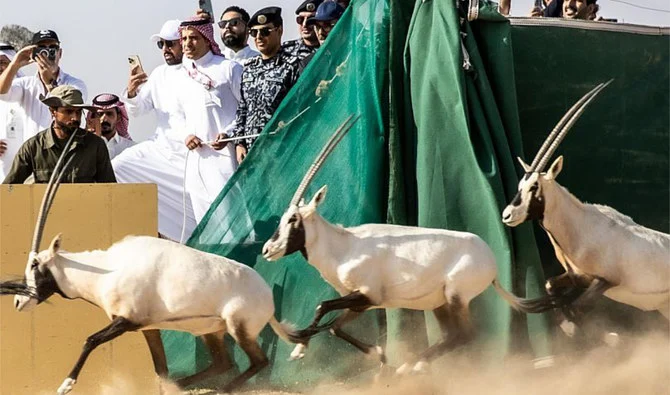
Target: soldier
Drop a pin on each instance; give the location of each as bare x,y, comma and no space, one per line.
327,15
266,78
307,44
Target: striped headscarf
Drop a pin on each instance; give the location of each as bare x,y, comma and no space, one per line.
204,26
105,101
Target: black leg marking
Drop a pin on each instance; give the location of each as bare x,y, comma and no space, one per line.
597,287
257,358
153,338
454,319
118,327
336,330
355,301
221,361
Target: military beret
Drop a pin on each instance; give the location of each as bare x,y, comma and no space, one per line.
266,15
308,6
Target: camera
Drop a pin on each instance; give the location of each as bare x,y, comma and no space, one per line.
49,52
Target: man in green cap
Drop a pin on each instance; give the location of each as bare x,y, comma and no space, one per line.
39,154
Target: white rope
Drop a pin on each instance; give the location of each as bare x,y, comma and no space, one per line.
210,143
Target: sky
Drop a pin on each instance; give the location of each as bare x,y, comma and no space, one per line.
98,36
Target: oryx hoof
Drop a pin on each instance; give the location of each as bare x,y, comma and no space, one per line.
548,286
612,339
67,386
544,362
380,354
421,368
403,370
298,352
569,328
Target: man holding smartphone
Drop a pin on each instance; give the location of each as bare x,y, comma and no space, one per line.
160,159
45,51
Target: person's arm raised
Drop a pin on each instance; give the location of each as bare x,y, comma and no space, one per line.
22,58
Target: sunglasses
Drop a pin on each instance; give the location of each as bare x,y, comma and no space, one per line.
230,22
300,19
327,26
264,31
166,43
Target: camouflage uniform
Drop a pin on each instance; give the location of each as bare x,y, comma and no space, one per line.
298,48
265,83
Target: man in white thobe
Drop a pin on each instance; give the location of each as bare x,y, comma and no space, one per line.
162,158
12,118
209,94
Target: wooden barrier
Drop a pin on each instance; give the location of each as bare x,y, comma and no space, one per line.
39,348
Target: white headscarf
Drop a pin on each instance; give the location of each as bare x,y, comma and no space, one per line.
8,50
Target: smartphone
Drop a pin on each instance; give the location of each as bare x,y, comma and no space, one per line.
206,5
134,61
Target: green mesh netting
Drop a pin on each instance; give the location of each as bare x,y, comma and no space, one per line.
435,152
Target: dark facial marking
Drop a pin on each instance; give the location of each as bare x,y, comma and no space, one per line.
296,236
536,204
46,285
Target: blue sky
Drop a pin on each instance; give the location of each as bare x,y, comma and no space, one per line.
98,36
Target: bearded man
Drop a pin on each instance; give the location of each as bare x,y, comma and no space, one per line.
39,154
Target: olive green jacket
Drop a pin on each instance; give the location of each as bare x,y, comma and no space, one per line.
39,154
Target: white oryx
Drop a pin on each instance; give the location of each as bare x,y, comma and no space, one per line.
147,284
387,266
600,249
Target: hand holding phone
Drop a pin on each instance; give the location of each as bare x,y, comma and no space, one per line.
135,64
206,5
137,76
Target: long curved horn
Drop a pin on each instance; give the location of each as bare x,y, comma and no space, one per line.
576,107
554,144
325,152
50,193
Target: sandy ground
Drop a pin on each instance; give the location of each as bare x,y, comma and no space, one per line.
639,365
636,366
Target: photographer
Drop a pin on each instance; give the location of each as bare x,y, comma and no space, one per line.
46,52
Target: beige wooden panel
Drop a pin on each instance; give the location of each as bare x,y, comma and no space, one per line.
38,349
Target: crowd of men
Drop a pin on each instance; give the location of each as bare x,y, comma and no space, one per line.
210,104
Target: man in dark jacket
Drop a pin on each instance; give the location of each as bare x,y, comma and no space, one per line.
39,154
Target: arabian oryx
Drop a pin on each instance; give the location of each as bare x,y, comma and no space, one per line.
146,284
387,266
600,249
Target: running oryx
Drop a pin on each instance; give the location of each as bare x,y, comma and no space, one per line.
600,249
146,284
388,266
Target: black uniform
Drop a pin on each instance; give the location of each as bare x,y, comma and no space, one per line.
265,83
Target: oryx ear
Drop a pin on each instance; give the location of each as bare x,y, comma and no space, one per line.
555,168
319,196
526,167
55,245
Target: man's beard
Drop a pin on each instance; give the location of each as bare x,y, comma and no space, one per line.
233,41
106,128
67,129
173,61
